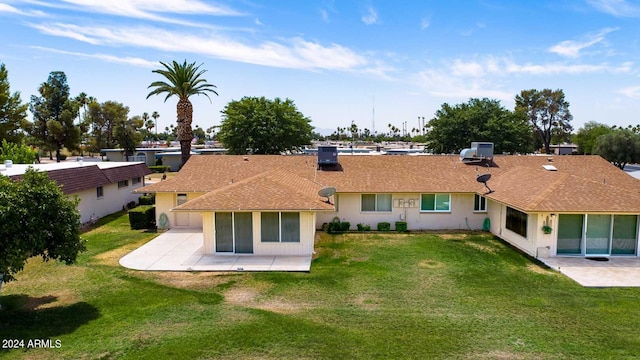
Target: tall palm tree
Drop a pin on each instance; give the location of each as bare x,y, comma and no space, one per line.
182,80
155,117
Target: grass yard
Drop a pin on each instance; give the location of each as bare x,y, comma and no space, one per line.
367,296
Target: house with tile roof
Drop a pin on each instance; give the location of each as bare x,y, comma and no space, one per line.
269,204
102,187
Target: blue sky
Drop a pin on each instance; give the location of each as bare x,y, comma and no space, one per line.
338,60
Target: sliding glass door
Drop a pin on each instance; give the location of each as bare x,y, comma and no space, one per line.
624,235
597,235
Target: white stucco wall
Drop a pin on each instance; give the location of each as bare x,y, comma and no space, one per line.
461,215
114,200
304,247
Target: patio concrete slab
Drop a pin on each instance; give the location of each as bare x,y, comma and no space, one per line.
182,250
616,272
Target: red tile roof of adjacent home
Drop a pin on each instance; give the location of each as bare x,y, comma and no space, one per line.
75,177
580,183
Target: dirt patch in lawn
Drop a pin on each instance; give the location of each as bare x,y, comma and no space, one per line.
113,257
453,236
253,298
188,280
430,264
539,269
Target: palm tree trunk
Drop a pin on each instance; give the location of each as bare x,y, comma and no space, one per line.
185,132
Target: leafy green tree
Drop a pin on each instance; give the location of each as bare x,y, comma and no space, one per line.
53,114
587,135
18,153
36,219
455,127
263,126
127,134
548,112
104,118
620,147
13,113
182,80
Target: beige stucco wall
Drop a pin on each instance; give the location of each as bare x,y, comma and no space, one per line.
304,247
114,200
461,215
497,212
167,201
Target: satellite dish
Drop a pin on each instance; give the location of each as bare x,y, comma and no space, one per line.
483,179
327,192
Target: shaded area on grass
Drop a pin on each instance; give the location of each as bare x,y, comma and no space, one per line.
26,317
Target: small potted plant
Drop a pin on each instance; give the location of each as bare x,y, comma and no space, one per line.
546,229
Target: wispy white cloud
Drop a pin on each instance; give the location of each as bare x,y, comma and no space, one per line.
460,78
103,57
370,17
325,15
572,48
424,23
620,8
6,8
146,8
295,53
631,92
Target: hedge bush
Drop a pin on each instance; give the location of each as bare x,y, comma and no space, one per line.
143,217
147,200
401,226
337,226
159,168
363,227
384,226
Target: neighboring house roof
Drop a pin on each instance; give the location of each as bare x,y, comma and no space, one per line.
580,183
73,177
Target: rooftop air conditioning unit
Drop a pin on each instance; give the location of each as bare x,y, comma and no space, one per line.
479,151
327,155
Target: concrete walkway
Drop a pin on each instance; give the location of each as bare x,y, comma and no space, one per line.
181,250
617,272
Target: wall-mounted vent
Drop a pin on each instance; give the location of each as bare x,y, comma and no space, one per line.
479,152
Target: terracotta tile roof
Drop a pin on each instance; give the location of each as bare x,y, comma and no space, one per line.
74,177
581,183
73,180
115,174
272,190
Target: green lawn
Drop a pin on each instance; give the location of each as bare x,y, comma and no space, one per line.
367,296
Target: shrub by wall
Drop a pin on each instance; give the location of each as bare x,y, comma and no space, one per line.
143,217
401,226
147,200
159,168
384,226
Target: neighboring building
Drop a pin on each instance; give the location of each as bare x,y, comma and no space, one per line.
102,187
545,206
145,155
564,149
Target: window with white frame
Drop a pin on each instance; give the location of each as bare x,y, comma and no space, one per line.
280,227
136,180
479,203
123,183
375,202
99,192
435,202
